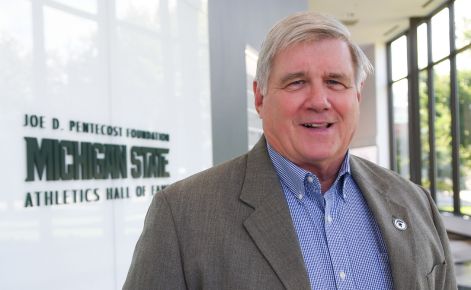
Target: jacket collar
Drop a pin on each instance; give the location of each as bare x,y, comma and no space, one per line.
270,224
272,230
385,205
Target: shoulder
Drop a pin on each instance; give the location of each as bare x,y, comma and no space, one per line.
222,175
206,203
214,187
378,174
398,188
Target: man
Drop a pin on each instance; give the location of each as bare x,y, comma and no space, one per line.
298,211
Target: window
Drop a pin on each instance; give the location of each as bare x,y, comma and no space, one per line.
400,104
440,35
430,94
463,63
424,130
462,22
442,127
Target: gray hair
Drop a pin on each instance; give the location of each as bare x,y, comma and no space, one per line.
307,26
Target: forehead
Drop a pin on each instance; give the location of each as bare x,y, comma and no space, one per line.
321,56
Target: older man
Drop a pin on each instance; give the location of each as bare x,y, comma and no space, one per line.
298,211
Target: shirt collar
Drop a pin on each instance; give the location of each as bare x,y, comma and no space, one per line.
294,177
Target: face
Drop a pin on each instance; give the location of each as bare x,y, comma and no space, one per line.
311,108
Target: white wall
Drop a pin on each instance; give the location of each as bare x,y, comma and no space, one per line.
126,64
234,25
381,79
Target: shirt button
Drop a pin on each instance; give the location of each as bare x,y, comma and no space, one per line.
342,275
300,196
310,179
329,219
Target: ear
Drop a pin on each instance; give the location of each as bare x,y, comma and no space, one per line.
359,90
258,98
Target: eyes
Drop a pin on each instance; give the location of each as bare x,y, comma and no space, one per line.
336,85
296,85
333,84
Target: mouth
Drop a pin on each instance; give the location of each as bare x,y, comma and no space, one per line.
324,125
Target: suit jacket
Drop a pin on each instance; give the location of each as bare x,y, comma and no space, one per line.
229,227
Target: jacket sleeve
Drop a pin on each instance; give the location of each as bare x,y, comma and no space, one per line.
156,263
443,276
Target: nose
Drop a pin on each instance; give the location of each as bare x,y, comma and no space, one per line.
318,99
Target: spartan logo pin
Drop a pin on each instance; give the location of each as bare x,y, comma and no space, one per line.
400,224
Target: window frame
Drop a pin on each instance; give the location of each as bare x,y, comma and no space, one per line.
415,146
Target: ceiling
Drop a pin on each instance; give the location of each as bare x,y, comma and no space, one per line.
372,21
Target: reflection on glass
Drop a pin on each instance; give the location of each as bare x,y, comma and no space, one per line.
72,52
16,50
443,136
68,36
463,62
399,58
440,35
401,130
422,45
424,129
139,49
146,14
14,32
84,5
462,23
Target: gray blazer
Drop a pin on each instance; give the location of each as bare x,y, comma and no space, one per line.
229,227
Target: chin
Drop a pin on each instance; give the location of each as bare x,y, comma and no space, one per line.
318,156
321,158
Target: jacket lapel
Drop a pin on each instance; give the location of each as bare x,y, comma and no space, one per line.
270,224
380,196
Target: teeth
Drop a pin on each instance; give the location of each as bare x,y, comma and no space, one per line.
311,125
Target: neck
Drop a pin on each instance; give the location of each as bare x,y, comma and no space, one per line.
327,183
326,173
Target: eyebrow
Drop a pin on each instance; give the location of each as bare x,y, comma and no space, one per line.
291,76
338,76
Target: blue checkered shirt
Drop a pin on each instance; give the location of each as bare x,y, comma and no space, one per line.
340,241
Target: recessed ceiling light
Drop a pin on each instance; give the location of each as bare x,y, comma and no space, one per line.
349,22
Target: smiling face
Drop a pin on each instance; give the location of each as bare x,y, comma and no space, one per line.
311,108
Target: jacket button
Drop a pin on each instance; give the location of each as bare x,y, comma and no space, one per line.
400,224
